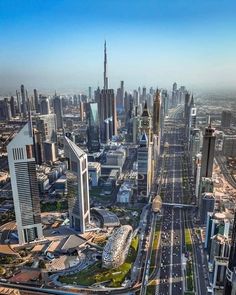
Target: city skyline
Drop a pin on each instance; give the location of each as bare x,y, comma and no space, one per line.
58,44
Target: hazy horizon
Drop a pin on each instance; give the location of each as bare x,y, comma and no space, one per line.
58,45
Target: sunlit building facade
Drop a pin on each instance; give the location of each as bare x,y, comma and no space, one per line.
78,186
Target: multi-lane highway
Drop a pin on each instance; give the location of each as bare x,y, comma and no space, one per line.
171,274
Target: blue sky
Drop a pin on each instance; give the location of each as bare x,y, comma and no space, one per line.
58,44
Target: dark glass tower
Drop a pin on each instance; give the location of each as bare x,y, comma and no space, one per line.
36,101
156,113
23,101
208,152
93,127
57,105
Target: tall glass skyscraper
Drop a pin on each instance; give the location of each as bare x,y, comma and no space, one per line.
93,127
24,185
208,152
57,105
78,186
23,101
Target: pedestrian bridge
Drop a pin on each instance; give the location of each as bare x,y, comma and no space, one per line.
179,205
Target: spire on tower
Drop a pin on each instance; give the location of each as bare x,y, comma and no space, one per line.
209,121
105,67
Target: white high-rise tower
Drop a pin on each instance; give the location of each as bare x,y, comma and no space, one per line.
24,185
78,186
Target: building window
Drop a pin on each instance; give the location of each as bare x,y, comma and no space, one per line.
74,167
29,151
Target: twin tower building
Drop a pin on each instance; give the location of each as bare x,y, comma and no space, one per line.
22,165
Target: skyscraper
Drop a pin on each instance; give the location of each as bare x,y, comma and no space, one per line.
144,167
107,115
57,106
5,110
46,124
192,114
105,78
107,108
18,103
165,101
78,186
232,261
156,117
136,97
44,105
191,120
23,101
38,147
90,93
229,146
12,106
36,101
93,127
120,96
226,117
207,206
145,123
186,111
24,185
81,110
97,94
208,152
174,94
144,94
195,143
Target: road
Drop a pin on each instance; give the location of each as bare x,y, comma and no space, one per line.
170,274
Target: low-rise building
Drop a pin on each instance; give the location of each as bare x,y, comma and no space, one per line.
106,217
116,157
229,146
60,185
125,193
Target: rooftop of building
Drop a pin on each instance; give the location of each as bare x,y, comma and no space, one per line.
62,179
223,260
60,244
208,195
94,165
109,219
7,250
221,239
10,291
77,151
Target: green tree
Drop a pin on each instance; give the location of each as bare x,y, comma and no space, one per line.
58,205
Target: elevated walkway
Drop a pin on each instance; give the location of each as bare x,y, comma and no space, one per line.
179,205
